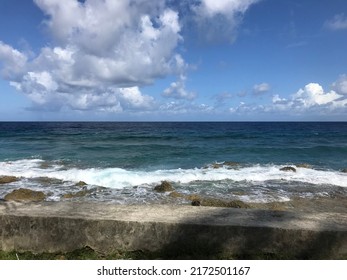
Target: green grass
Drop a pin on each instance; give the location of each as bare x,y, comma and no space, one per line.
89,254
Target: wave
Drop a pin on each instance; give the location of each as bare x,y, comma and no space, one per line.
118,178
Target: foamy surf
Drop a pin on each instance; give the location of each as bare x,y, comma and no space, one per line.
118,178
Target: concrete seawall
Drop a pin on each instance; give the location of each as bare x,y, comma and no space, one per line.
176,230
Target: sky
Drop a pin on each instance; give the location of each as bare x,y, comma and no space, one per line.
166,60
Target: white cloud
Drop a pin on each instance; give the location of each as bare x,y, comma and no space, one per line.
313,94
13,61
104,51
221,18
261,88
312,99
340,86
338,22
229,8
132,98
178,90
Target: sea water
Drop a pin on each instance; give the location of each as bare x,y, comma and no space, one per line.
121,162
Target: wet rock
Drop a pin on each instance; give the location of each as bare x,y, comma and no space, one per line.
81,184
48,181
276,206
25,195
217,165
303,165
8,179
231,164
193,197
344,170
165,186
196,203
77,194
288,168
45,165
212,202
176,195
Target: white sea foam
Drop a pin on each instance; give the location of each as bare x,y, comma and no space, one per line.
119,178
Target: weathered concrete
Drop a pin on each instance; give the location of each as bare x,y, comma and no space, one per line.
177,230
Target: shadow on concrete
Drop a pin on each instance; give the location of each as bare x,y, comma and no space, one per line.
200,239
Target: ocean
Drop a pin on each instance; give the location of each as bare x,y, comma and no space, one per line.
122,162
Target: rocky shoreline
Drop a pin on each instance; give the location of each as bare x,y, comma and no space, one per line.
80,190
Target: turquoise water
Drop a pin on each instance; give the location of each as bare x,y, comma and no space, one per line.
123,161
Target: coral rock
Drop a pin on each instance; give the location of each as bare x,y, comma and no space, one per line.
25,195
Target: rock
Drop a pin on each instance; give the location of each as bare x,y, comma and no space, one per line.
213,202
48,181
81,184
193,197
77,194
231,164
304,165
344,170
276,206
196,203
25,195
217,165
45,165
165,186
288,168
176,195
8,179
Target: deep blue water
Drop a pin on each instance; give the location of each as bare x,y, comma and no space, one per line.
176,145
121,155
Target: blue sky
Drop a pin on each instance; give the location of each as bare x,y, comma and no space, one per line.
229,60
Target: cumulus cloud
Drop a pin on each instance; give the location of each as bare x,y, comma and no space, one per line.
229,8
261,88
313,95
311,99
221,17
340,86
178,90
13,61
102,53
338,22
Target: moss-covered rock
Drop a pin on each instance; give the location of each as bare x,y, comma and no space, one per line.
193,197
165,186
304,165
8,179
48,181
77,194
231,164
25,195
288,168
81,184
217,165
213,202
176,195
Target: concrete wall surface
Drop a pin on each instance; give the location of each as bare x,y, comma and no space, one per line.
179,230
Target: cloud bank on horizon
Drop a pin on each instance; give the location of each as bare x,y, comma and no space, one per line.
102,54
